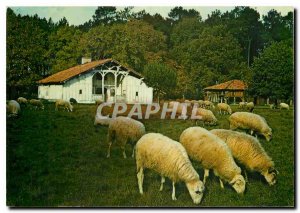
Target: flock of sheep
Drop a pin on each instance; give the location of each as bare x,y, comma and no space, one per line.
13,107
216,150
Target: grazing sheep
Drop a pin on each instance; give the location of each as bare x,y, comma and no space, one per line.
248,151
251,121
272,106
250,106
208,116
168,158
13,108
65,104
124,130
209,105
212,153
22,100
37,104
180,110
224,107
201,103
284,106
242,104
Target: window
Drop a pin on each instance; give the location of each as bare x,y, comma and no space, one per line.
80,91
136,93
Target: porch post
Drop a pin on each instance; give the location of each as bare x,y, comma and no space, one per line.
103,95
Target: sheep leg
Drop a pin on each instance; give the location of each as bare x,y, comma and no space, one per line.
133,148
173,191
140,177
123,151
162,183
246,176
108,150
221,183
206,174
251,132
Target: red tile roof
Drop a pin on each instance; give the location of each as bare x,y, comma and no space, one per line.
67,74
229,85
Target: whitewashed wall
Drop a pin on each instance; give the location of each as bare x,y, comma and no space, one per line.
130,85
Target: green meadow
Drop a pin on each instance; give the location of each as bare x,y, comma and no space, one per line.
57,158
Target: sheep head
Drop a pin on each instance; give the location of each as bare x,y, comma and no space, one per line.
196,189
238,183
271,175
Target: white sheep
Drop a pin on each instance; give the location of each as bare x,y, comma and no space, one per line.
208,116
201,103
252,122
22,100
37,104
224,107
250,106
212,153
247,150
284,106
168,158
124,130
209,105
272,106
13,108
65,104
242,104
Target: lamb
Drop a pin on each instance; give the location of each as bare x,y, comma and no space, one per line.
284,106
212,153
37,104
65,104
208,116
248,151
13,108
168,158
209,104
250,106
224,107
252,122
124,130
22,100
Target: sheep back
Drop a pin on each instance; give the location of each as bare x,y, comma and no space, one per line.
212,153
165,156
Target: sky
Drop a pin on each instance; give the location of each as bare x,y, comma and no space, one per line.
78,15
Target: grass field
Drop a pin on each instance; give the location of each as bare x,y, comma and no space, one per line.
59,159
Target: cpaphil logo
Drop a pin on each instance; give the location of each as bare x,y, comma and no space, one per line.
151,109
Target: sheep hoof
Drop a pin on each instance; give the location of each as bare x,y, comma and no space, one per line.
174,198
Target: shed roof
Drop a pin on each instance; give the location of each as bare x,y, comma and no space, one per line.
229,85
67,74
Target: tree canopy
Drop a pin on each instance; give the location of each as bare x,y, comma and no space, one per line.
236,44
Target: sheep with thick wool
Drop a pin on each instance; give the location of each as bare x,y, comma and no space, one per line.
65,104
22,100
212,153
13,108
250,121
209,105
250,106
37,104
223,107
247,150
284,106
124,130
207,116
168,158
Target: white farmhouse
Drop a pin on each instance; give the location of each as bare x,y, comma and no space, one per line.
106,80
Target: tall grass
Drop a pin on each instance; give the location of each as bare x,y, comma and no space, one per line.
56,158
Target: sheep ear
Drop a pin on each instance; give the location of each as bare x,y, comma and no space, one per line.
270,170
